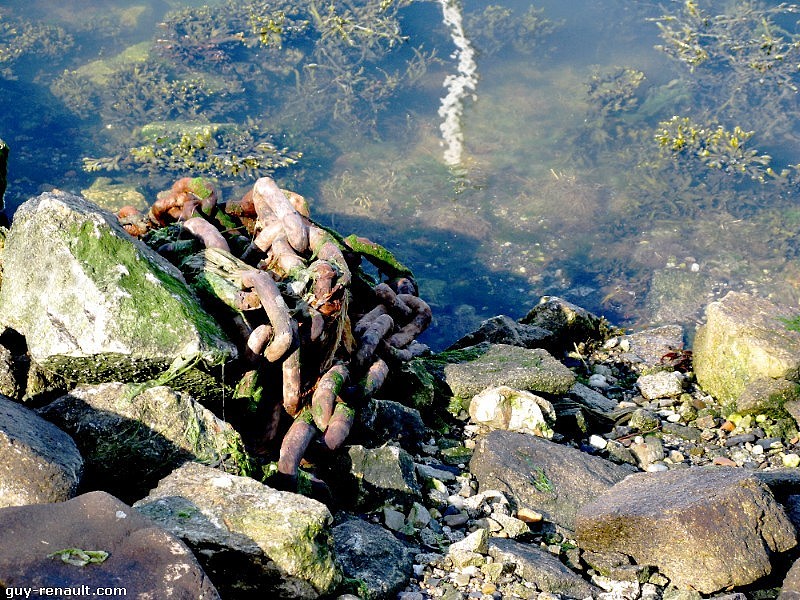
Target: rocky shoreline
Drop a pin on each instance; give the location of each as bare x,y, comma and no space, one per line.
550,457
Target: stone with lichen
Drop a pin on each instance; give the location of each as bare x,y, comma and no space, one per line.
96,305
248,536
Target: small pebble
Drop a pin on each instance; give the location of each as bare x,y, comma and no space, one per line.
723,461
791,460
598,381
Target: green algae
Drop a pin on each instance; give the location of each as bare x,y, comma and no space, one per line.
148,290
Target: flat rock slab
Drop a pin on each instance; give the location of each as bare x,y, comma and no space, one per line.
540,567
253,540
371,554
95,304
704,528
745,338
39,462
543,476
143,559
130,440
533,370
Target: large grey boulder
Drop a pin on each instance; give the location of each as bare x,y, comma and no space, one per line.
96,541
95,304
745,338
252,540
130,440
39,463
534,370
704,528
540,567
543,476
369,553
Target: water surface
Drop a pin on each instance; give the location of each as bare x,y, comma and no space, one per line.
560,186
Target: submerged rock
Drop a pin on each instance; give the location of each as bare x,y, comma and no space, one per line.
131,440
370,554
96,541
704,528
96,305
40,463
250,538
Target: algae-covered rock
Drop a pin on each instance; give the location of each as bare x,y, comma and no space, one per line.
247,536
369,477
534,370
745,338
97,305
130,440
39,463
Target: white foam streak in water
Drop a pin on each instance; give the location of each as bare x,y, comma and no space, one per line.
459,85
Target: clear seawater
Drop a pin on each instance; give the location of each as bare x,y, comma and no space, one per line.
555,192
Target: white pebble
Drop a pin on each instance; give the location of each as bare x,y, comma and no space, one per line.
657,467
598,442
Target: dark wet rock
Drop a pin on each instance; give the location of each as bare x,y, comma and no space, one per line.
369,553
129,441
39,463
369,477
542,476
593,401
541,568
682,431
504,330
385,420
9,375
254,541
533,370
745,338
96,305
142,558
569,323
676,520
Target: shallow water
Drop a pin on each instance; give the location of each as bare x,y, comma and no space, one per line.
555,192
